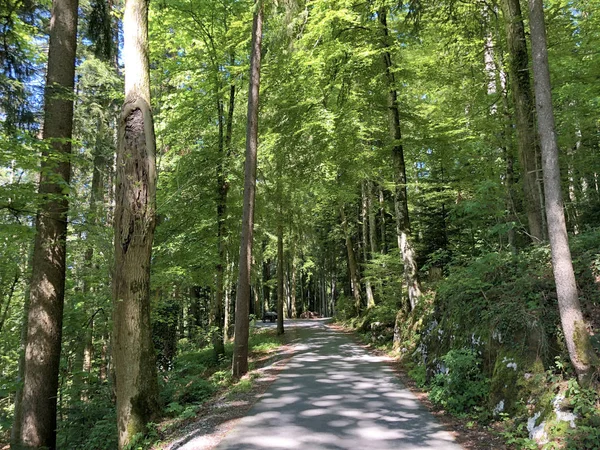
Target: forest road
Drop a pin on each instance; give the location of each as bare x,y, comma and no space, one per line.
333,394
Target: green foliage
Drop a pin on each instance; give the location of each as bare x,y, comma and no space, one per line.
187,382
584,437
497,300
142,441
263,341
464,386
585,403
518,437
241,386
419,373
344,308
89,424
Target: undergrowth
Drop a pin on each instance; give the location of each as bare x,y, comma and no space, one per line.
195,377
486,341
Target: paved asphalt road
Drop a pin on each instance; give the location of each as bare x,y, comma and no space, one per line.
332,394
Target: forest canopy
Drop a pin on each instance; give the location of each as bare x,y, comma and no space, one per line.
173,167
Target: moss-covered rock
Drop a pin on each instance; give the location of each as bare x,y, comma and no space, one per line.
504,388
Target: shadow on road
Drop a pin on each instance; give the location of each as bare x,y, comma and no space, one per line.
334,395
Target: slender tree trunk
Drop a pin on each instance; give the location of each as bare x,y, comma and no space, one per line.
365,233
573,209
302,302
133,351
242,301
383,223
96,196
9,297
280,293
352,266
293,283
286,285
227,299
42,354
400,195
524,114
372,221
266,272
574,328
218,319
15,432
104,357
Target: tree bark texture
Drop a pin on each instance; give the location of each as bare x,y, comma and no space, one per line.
134,222
522,96
400,193
44,329
242,301
574,328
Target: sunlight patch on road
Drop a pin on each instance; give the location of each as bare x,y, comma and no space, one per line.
379,433
314,412
325,403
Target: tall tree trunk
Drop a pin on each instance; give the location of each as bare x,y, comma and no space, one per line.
46,302
242,301
286,287
400,194
15,432
227,299
574,328
104,357
372,221
266,276
9,297
383,223
293,282
218,316
96,195
133,351
280,293
352,266
365,234
524,114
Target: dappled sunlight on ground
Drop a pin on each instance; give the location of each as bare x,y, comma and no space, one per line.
334,395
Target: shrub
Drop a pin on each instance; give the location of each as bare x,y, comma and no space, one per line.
463,386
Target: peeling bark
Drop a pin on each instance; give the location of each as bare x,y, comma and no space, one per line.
134,222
